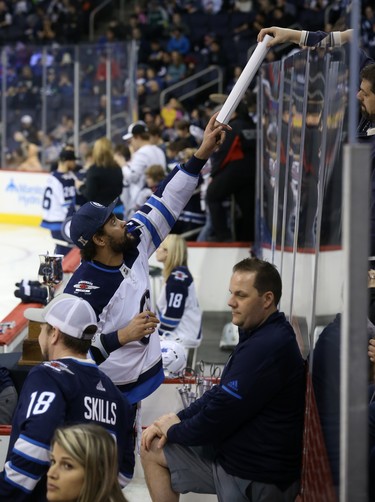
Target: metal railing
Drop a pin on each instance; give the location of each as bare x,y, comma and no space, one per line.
218,81
93,17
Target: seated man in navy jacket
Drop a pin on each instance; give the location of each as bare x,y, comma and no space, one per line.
243,438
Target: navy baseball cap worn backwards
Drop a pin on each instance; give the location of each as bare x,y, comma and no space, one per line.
87,221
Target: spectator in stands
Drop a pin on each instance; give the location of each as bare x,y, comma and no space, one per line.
211,6
101,70
121,154
213,445
170,112
91,455
144,154
178,41
368,30
104,178
154,175
177,306
156,135
157,18
6,21
28,129
176,69
151,101
233,174
8,397
182,128
67,388
172,150
155,56
45,31
31,160
177,21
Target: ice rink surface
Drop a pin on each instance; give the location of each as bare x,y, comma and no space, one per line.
19,259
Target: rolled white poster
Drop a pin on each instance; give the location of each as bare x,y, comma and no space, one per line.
243,81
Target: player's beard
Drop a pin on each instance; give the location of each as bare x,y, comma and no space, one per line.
123,245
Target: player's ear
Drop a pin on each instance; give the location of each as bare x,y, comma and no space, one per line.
55,335
98,240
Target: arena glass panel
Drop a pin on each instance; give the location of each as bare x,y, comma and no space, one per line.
308,219
57,94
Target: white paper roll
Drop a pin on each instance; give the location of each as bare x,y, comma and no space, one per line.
243,81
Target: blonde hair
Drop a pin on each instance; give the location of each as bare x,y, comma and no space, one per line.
177,253
102,153
96,451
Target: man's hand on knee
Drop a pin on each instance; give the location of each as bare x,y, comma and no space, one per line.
149,434
166,421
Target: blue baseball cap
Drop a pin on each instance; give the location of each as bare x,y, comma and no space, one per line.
87,221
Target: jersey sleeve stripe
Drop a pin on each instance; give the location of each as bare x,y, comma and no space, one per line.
37,452
150,227
20,479
156,203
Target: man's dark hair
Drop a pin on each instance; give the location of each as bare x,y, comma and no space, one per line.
77,344
368,73
267,277
89,251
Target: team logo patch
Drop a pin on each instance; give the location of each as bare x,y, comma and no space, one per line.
58,366
84,287
179,275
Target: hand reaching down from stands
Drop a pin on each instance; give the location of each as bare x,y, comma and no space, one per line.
301,37
280,35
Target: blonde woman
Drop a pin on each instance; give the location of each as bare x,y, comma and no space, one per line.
178,308
104,177
84,466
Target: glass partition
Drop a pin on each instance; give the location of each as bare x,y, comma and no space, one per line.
302,133
57,94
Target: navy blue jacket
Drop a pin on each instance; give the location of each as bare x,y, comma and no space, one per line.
254,417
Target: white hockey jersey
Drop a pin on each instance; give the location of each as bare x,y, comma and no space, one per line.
118,294
59,195
134,174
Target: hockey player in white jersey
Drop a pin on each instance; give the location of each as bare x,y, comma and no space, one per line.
114,272
58,198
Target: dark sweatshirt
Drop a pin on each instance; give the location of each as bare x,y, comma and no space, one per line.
254,417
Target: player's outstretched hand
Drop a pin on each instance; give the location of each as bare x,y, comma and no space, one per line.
213,138
141,325
280,35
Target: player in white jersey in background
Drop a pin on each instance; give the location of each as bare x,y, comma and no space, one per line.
59,196
143,155
114,274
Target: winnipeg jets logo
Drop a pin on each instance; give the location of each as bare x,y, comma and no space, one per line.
84,287
179,275
58,366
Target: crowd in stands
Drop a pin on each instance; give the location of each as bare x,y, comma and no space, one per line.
175,39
